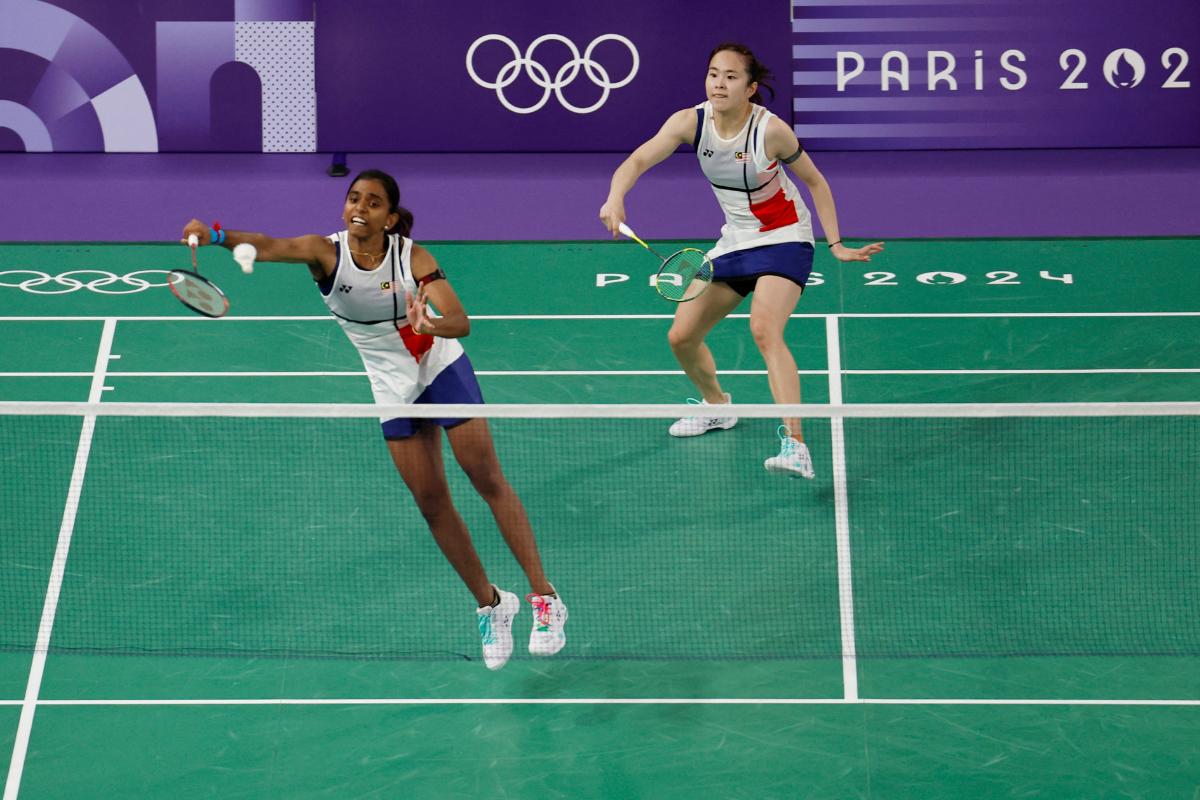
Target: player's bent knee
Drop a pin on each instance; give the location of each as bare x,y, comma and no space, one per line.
489,482
765,336
433,502
681,338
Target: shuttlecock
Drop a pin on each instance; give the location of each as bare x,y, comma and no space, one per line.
244,254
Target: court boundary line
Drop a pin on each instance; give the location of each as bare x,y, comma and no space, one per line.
518,317
361,373
543,411
58,568
841,514
503,373
488,701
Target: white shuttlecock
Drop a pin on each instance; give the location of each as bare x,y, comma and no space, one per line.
244,254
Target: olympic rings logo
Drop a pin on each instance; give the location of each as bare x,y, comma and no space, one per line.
65,282
541,76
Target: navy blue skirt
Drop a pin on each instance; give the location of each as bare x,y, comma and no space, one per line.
741,269
455,384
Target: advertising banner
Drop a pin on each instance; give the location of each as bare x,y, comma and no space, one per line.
929,74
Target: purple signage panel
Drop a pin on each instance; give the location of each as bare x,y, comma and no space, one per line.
526,76
92,75
927,74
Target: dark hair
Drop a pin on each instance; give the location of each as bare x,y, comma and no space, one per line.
758,72
404,226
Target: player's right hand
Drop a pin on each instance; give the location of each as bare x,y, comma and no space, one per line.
612,214
202,231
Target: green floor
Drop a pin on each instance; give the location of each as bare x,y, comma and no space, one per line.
974,579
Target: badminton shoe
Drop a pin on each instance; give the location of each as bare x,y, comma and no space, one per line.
694,426
495,628
549,618
793,459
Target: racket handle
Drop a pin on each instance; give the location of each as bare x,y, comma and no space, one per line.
628,231
193,241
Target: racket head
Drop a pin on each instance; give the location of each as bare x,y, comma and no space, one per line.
197,293
684,275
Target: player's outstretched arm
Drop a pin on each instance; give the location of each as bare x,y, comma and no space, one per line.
310,249
782,144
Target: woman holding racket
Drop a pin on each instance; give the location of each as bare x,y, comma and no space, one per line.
377,283
766,244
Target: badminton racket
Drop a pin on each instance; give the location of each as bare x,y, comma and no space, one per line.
683,275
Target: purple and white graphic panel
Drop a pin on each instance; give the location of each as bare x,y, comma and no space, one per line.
888,74
66,86
92,75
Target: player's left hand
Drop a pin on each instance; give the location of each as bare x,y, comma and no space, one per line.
843,253
417,312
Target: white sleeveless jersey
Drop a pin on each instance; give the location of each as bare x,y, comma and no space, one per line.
369,305
762,206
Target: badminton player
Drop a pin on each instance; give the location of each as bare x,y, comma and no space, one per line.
377,282
766,244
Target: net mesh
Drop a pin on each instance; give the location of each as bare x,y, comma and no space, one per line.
285,531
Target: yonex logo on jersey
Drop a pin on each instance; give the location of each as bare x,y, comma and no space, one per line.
708,153
343,288
565,75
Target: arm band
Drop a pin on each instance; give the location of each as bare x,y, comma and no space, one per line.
834,244
799,152
436,275
217,234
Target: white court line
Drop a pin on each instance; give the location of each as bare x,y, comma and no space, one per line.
489,372
504,317
58,568
502,373
1113,371
602,701
841,513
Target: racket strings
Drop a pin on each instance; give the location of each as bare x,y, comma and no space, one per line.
684,275
198,293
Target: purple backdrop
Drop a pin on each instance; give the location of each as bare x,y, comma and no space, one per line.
405,84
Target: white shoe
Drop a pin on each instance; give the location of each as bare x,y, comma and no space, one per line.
793,459
694,426
495,628
549,617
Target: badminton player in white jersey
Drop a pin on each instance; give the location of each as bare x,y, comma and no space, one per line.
377,282
766,244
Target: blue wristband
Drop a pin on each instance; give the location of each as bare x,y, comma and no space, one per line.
217,236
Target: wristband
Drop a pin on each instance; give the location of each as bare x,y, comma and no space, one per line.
834,244
218,235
